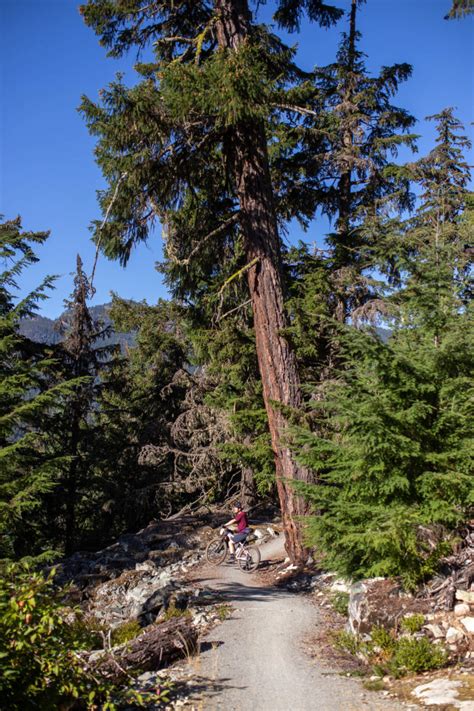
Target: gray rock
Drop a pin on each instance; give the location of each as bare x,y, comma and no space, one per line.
453,635
435,630
468,624
465,596
461,609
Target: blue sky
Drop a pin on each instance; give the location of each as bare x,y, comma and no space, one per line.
49,58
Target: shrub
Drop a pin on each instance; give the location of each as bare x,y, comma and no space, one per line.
383,639
39,650
340,602
40,655
348,642
416,655
413,623
387,654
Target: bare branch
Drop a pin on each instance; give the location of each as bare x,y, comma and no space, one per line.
296,109
236,308
185,262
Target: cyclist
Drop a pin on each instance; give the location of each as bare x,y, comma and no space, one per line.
243,530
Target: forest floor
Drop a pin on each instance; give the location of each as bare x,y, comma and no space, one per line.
258,660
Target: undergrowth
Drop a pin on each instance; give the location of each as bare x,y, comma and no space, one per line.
387,654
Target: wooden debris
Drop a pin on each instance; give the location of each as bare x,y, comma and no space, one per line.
156,647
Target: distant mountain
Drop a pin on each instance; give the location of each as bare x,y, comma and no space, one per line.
46,330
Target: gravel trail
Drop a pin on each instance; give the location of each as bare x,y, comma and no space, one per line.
254,661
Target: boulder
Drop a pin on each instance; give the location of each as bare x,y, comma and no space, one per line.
461,609
468,624
435,630
380,602
453,635
439,692
466,596
340,586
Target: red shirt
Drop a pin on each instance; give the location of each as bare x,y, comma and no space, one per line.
242,522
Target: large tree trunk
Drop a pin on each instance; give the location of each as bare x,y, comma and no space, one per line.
276,359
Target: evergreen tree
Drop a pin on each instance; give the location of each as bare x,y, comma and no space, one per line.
226,351
31,395
82,357
364,131
393,447
143,469
188,145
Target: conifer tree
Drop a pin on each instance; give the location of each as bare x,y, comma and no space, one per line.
364,131
393,448
31,396
84,358
188,145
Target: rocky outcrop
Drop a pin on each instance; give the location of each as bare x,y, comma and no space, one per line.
380,602
161,544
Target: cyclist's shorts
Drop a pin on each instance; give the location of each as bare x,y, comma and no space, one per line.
239,537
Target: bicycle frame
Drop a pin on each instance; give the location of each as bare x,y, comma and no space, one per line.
247,557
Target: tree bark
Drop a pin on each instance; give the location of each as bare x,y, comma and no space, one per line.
276,359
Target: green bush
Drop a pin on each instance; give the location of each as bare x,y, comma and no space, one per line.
387,654
39,650
413,623
340,602
416,655
348,642
383,638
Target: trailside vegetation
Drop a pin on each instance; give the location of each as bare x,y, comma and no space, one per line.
33,393
393,446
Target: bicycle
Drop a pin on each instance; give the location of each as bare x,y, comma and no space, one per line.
217,551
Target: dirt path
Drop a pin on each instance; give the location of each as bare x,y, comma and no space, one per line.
254,661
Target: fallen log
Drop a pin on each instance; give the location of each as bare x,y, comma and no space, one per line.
156,647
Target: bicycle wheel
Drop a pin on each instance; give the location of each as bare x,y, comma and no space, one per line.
216,551
250,559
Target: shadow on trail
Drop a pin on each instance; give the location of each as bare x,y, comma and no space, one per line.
233,591
201,685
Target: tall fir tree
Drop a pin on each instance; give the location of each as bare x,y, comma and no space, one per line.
32,394
393,448
84,357
364,132
188,145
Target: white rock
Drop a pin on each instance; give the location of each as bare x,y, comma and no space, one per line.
468,623
340,586
453,635
465,596
439,691
461,609
435,630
